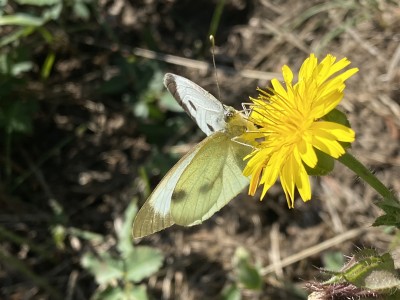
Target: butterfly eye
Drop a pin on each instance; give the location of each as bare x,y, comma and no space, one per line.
229,112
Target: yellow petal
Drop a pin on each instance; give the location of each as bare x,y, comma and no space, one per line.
335,130
287,181
278,88
307,154
333,148
287,74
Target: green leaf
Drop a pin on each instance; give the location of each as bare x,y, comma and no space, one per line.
103,267
168,102
369,270
129,292
86,235
118,293
391,207
247,274
21,67
21,20
48,65
139,293
156,83
333,260
59,234
388,220
2,4
142,262
53,12
17,116
38,2
249,277
337,116
141,110
378,280
325,164
14,64
110,293
81,10
125,242
15,35
231,292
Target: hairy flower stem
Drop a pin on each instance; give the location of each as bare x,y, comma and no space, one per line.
353,164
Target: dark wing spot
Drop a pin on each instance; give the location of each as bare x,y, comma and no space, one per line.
170,84
210,127
177,97
178,195
184,106
192,105
205,188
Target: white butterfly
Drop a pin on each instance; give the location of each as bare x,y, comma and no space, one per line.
209,176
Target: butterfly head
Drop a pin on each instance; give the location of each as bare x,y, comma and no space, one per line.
236,124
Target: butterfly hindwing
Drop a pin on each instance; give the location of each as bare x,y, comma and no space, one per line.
155,213
210,181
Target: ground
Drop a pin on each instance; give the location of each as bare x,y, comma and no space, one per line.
101,138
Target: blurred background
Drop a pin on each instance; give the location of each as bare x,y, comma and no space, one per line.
88,130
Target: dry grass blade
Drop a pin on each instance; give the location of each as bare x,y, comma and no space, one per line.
337,240
203,66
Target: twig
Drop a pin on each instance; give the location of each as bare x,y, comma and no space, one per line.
337,240
71,285
366,45
275,251
285,35
204,66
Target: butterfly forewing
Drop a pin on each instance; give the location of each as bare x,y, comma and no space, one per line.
199,104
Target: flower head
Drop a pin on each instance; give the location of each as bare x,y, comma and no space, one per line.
290,126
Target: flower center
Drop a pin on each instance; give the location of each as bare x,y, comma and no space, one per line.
295,127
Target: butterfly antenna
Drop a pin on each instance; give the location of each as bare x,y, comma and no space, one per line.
215,67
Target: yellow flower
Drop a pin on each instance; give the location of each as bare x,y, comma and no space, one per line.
290,126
